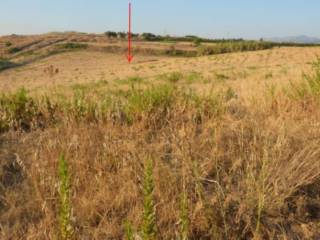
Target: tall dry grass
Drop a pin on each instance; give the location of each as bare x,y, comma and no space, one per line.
221,169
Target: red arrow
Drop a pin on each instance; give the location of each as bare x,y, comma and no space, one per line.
129,56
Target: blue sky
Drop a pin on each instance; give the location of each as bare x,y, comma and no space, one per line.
207,18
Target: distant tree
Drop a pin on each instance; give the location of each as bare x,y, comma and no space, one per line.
135,35
197,41
111,34
149,36
121,35
191,36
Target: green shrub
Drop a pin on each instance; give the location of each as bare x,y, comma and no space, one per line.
17,110
197,42
14,50
159,98
8,44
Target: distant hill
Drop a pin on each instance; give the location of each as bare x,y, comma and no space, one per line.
296,39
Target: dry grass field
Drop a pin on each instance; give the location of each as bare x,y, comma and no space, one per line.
209,147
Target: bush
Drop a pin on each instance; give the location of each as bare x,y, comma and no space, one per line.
148,100
8,44
14,50
111,34
197,42
150,37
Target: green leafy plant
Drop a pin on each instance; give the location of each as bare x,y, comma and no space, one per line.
184,218
149,216
129,230
65,225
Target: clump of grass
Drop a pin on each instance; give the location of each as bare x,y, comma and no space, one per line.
132,80
268,75
156,98
193,77
8,44
135,79
18,110
252,68
129,232
310,87
65,225
174,77
149,231
230,94
221,76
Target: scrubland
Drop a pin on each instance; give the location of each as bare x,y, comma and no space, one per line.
213,147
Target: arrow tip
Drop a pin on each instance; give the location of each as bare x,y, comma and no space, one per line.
129,58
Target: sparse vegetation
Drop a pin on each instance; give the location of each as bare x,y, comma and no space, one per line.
238,46
160,155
